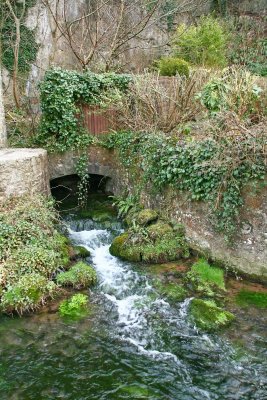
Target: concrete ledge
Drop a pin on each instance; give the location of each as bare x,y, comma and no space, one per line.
23,171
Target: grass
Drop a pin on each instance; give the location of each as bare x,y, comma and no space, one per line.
249,298
209,274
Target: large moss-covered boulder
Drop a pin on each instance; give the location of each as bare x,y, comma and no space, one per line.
169,247
207,316
122,247
146,217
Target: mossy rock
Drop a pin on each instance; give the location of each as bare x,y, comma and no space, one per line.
208,316
81,252
122,249
171,290
167,248
78,276
158,230
246,298
145,217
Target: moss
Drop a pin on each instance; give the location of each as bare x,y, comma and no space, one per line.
172,291
80,251
208,316
146,216
75,307
167,248
206,273
206,279
137,392
79,275
247,298
159,229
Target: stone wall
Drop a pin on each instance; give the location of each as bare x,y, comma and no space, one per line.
23,171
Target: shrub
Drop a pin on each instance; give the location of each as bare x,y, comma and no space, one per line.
234,90
171,66
153,104
75,307
27,294
79,275
201,44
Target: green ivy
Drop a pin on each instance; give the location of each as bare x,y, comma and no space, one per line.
83,185
62,93
196,167
28,45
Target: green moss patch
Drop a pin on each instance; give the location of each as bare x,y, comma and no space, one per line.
208,273
207,316
247,298
75,307
78,276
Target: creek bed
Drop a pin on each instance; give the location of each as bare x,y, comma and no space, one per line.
132,345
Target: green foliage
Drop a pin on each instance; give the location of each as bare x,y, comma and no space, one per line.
171,66
62,94
27,293
28,46
78,276
213,169
208,316
247,298
234,90
201,44
125,204
29,246
83,185
208,274
76,307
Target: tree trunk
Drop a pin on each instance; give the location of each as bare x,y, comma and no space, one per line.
3,136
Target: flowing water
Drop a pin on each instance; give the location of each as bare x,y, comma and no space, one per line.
133,345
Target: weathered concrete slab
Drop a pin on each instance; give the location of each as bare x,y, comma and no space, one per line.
23,171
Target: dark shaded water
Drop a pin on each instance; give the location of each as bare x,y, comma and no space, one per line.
133,345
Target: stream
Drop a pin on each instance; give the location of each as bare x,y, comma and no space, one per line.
132,345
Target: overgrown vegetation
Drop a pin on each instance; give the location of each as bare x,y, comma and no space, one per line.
213,169
31,252
62,95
